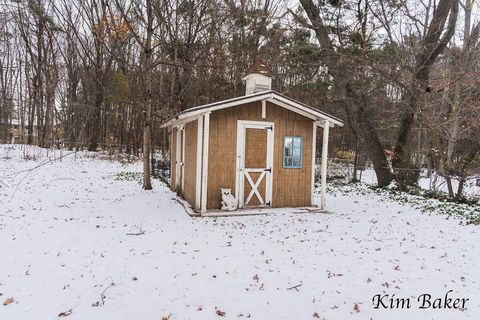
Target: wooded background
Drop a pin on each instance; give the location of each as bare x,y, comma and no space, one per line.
104,74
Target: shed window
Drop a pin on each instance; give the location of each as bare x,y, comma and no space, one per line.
292,152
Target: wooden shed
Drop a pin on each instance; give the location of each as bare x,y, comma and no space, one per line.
261,146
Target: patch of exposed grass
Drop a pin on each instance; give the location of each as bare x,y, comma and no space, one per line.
129,176
138,177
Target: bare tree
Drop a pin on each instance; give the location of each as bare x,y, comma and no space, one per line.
347,92
439,32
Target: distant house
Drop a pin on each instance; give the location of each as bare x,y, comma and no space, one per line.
11,131
261,146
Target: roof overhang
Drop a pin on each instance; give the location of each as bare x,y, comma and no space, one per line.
271,96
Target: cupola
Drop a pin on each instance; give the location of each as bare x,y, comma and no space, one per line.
258,78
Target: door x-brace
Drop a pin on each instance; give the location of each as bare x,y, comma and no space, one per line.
254,185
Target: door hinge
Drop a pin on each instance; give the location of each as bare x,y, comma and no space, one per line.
268,170
269,128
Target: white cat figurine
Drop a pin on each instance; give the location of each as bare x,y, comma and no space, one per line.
228,200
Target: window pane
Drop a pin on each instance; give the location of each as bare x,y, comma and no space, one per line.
288,141
288,152
296,142
296,162
296,152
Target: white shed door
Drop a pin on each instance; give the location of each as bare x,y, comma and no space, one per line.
254,163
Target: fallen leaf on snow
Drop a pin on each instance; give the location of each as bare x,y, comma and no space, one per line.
316,315
8,301
356,307
220,313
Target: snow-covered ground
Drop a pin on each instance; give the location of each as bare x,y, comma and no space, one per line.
66,240
434,183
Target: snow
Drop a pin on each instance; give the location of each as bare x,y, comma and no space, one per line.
64,240
438,183
435,182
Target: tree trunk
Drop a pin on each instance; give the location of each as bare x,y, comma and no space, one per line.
147,135
31,119
405,172
448,179
355,162
95,123
373,145
147,185
461,184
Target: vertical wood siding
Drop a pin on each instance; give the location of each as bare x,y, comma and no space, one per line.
173,158
291,187
190,162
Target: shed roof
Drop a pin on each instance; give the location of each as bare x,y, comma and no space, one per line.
271,96
259,67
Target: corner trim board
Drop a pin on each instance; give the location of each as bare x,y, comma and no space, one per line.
198,173
314,149
324,164
206,136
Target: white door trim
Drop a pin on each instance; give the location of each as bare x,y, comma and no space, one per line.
242,172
